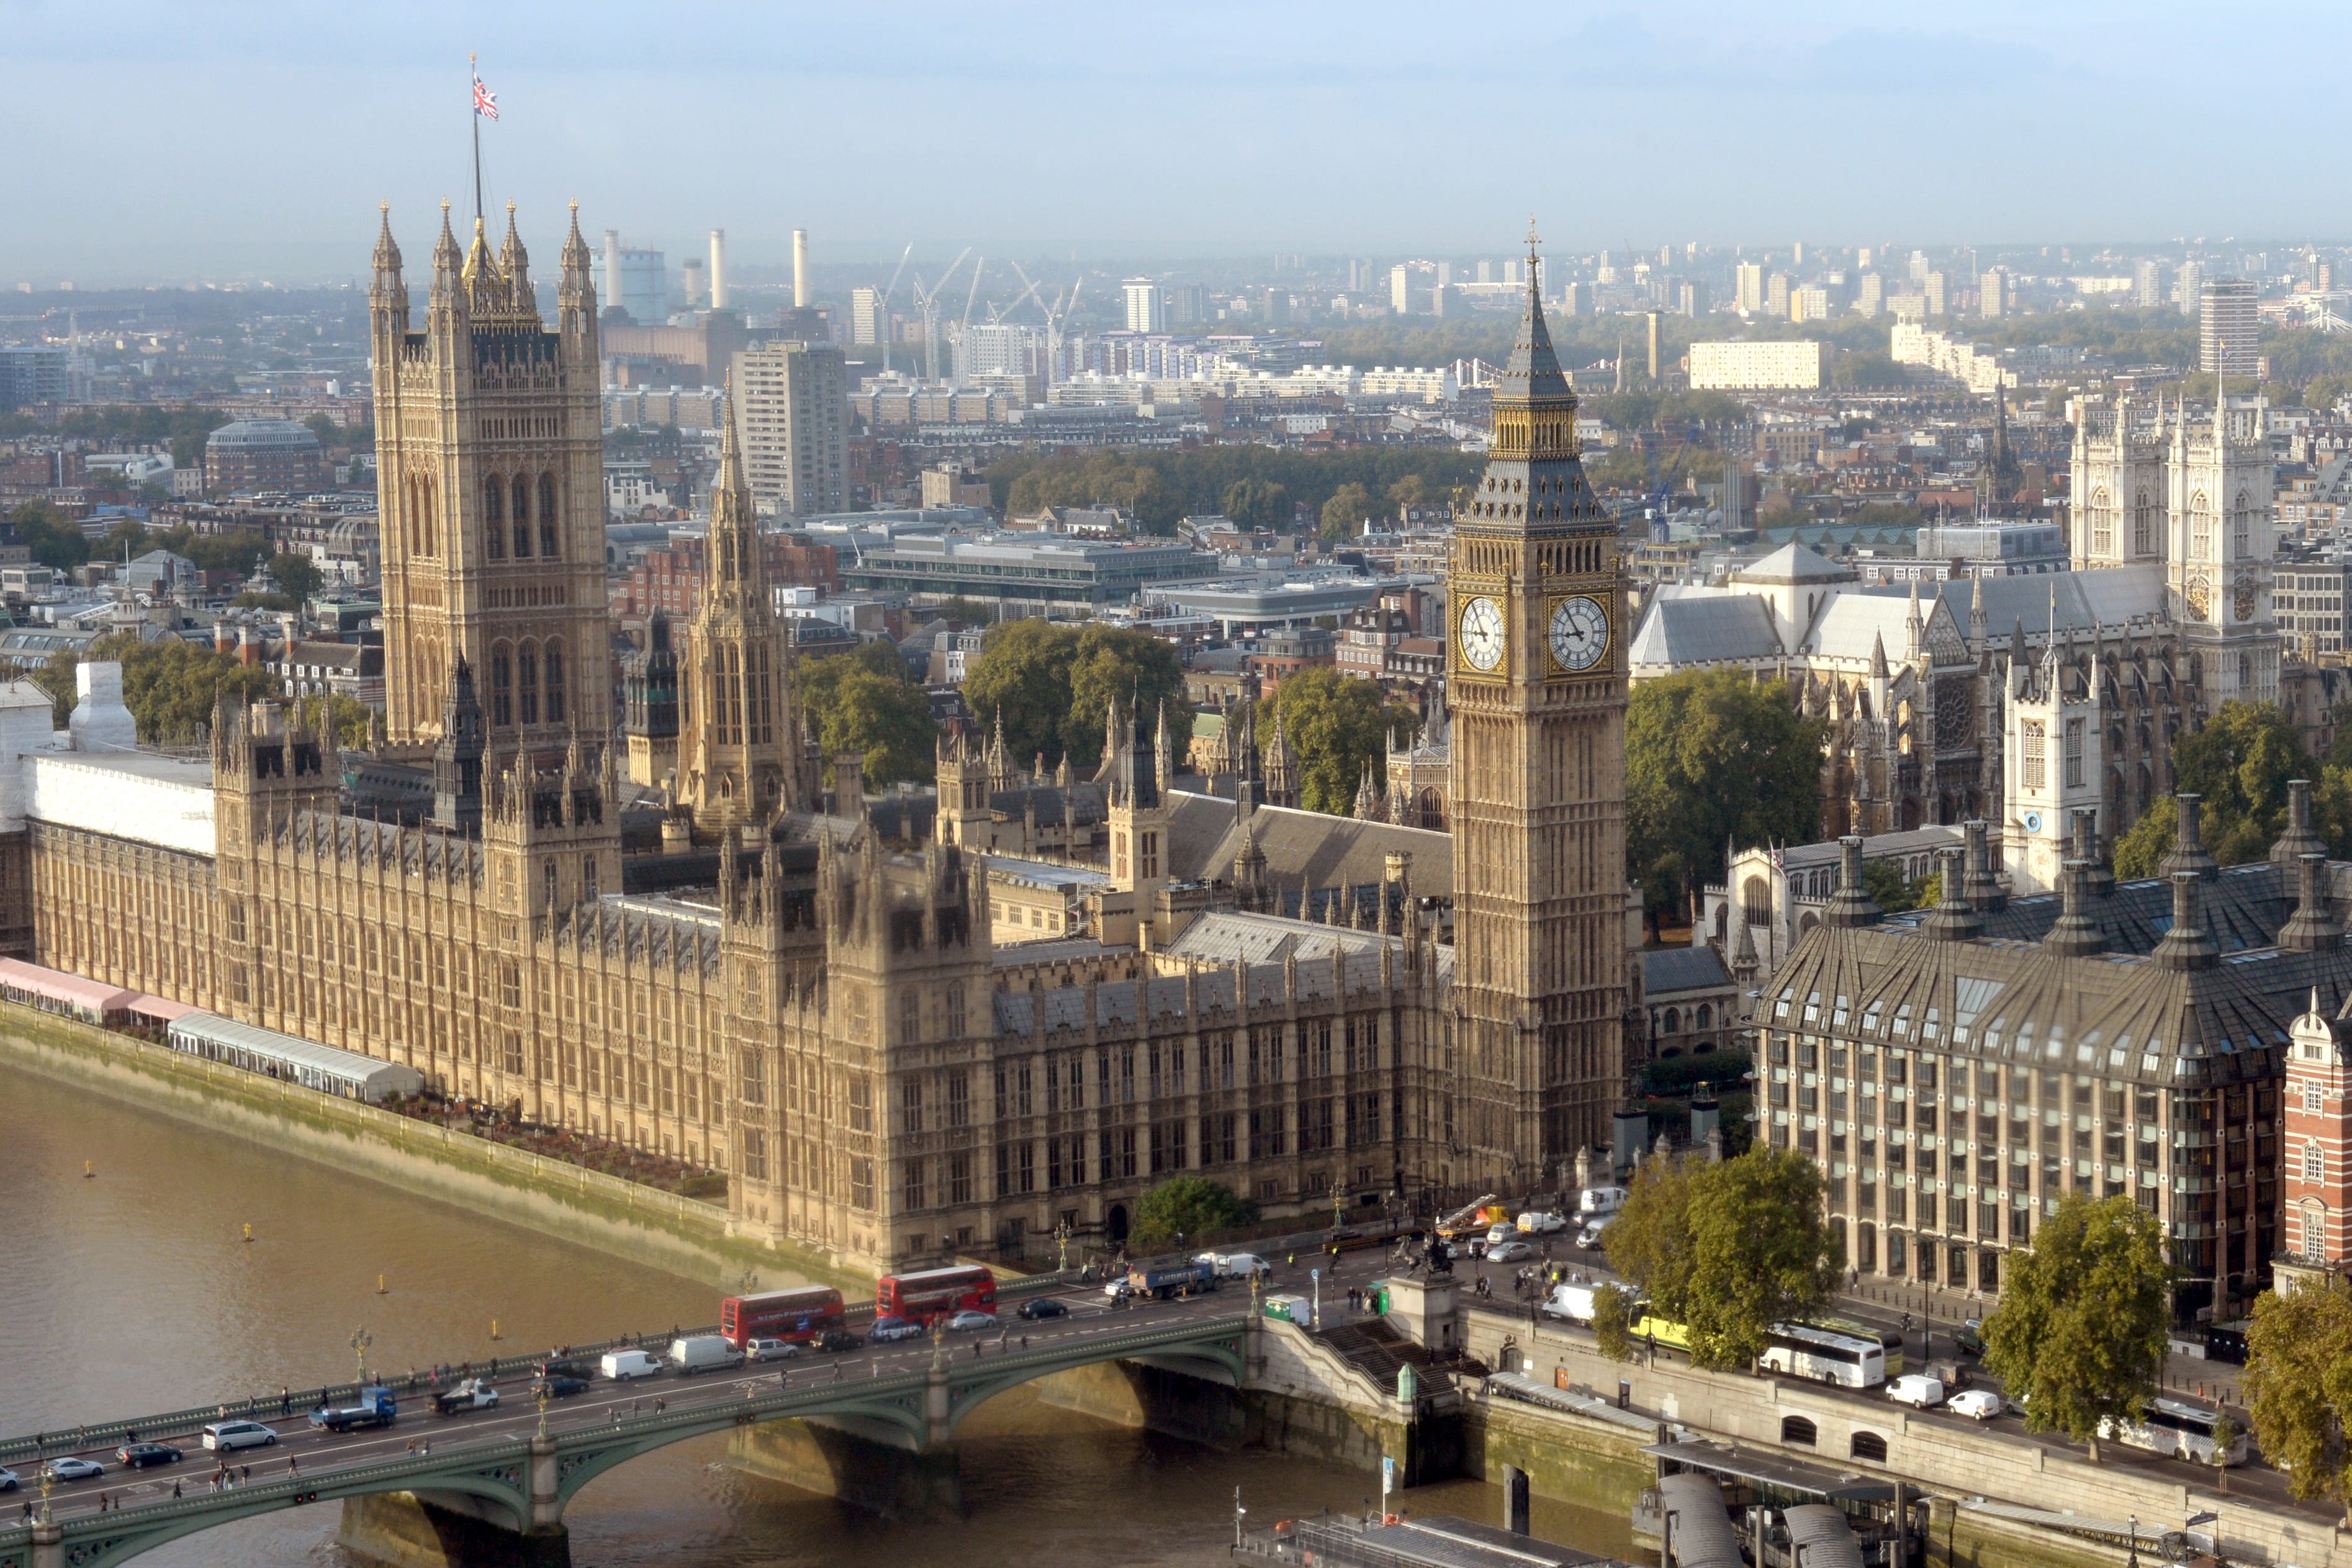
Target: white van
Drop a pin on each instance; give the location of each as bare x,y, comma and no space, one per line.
701,1353
623,1366
1599,1200
1917,1390
1573,1303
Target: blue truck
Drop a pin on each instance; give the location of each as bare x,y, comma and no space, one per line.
375,1408
1172,1279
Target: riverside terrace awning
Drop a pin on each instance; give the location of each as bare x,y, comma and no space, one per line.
55,991
1764,1469
326,1069
157,1010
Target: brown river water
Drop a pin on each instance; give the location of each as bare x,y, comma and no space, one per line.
135,1291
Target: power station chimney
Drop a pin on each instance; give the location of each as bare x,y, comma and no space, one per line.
718,268
611,268
800,270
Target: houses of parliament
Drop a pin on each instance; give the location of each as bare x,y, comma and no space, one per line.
653,921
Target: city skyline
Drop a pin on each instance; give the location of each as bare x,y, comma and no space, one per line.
1282,133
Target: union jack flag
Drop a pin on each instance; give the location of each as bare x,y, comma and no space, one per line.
486,103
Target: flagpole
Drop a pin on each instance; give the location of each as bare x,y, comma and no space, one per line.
473,113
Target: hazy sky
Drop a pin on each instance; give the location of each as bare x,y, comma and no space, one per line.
173,140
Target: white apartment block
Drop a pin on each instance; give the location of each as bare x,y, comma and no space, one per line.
792,417
1791,366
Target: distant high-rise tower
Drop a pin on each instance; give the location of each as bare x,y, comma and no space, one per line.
2188,285
867,325
800,270
718,268
2147,282
1992,287
1147,306
1748,283
792,414
1401,289
1939,294
2228,328
490,488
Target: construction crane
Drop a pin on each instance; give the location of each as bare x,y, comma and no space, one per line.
963,329
882,306
1059,311
927,300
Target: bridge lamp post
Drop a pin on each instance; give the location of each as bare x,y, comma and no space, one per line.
546,1397
1062,1247
360,1342
938,1343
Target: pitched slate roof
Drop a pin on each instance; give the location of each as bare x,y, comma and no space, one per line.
1728,628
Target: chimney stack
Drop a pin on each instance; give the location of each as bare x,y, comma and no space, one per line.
2186,945
800,270
718,268
611,268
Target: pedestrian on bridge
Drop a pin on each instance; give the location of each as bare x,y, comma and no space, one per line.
175,1489
285,1400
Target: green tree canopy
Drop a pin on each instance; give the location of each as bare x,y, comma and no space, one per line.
1164,486
295,573
54,539
2240,761
2299,1387
867,701
1339,726
1713,758
2079,1336
1728,1248
169,685
1054,685
1187,1207
1345,513
1888,888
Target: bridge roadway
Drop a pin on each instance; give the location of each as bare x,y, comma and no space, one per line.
497,1465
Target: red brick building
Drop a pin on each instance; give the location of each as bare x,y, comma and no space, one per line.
671,579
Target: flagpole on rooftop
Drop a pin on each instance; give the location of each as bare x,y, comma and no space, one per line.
473,113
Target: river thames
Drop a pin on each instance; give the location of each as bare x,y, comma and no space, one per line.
134,1289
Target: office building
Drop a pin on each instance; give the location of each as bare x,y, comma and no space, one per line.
35,373
1147,305
1871,298
1748,283
2228,329
262,454
1992,290
867,325
1755,366
1776,297
2147,282
1937,302
1401,289
792,419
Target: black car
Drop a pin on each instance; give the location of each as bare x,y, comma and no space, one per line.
838,1339
560,1385
1038,1307
565,1368
139,1456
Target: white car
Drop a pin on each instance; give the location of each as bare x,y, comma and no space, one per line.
1983,1403
1511,1252
228,1435
1541,1222
1916,1389
73,1469
1590,1237
1500,1233
8,1481
771,1350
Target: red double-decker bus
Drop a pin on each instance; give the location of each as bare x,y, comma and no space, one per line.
799,1315
935,1293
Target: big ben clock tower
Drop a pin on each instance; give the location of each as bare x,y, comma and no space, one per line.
1536,677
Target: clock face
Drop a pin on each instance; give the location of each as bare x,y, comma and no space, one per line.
1579,633
2201,599
1482,633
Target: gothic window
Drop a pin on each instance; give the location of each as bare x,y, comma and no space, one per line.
502,687
554,879
2103,524
554,682
526,681
2245,672
494,530
1755,898
2075,753
521,525
1706,1016
521,502
2033,747
2201,529
546,515
2244,530
756,696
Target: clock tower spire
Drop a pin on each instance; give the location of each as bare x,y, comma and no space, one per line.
1536,677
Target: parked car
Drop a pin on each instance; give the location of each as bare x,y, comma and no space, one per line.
1917,1389
8,1481
971,1322
72,1469
1983,1403
1040,1307
1969,1337
560,1385
835,1341
1511,1252
139,1456
565,1366
1541,1222
228,1435
1119,1293
890,1330
770,1350
1590,1237
1501,1231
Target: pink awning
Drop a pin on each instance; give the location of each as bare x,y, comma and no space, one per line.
58,986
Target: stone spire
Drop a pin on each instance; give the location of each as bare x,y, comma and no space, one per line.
447,260
458,758
514,263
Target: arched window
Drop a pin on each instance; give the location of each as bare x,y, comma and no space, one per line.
2245,672
521,529
1705,1017
502,687
1755,897
2103,526
2314,1161
521,499
494,530
555,683
2312,1243
2201,529
526,681
1797,1429
1868,1446
552,883
2142,522
2244,530
755,695
1674,1021
547,516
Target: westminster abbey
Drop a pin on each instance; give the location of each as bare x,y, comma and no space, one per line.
734,961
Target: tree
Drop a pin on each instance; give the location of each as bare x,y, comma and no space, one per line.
1408,491
1187,1207
2140,851
352,718
1055,684
1888,888
1728,1248
1022,680
54,539
1339,726
1711,758
2299,1387
2240,761
2078,1339
1613,1316
1345,513
297,576
867,701
169,685
1259,503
